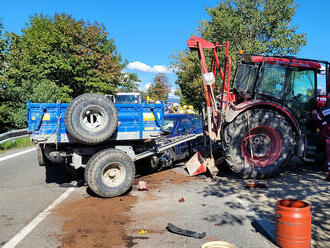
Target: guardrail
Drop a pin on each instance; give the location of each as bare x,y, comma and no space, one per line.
14,134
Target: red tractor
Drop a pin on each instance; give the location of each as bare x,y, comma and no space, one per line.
264,115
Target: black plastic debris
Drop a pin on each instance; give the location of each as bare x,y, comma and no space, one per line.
177,230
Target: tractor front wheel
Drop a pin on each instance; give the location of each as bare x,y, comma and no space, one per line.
258,143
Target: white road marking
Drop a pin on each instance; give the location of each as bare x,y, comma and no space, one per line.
36,221
17,154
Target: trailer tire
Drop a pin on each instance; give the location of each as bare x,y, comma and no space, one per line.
91,119
110,173
273,142
42,158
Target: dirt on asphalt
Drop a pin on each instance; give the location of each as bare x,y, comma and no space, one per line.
97,222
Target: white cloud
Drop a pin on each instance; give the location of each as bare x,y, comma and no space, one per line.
139,66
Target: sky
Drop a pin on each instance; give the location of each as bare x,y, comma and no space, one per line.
148,32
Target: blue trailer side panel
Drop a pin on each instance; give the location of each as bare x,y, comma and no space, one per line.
135,121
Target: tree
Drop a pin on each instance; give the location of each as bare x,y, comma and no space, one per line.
58,58
254,26
129,82
4,120
2,47
177,92
160,89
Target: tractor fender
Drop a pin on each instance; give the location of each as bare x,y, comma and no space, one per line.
242,107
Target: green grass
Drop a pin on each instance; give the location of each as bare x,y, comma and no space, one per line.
14,144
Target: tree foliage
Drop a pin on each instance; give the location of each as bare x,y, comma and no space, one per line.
160,88
129,82
58,58
2,47
254,26
4,122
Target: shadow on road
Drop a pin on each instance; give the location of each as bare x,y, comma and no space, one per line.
299,181
62,174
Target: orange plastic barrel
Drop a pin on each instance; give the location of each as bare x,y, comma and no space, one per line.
293,224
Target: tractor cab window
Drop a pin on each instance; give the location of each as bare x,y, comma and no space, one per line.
272,81
301,87
245,78
300,95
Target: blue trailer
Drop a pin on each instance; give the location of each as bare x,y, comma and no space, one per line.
104,138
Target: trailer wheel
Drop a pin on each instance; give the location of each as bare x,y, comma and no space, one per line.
110,173
91,119
48,155
261,151
41,156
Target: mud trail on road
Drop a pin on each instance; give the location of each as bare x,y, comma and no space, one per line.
96,222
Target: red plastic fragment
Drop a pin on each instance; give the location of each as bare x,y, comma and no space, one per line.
142,185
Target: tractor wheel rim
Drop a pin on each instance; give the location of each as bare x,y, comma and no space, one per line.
261,146
113,174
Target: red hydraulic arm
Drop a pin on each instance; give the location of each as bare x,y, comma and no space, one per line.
213,110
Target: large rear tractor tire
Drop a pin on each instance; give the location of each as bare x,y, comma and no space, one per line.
91,119
110,173
263,149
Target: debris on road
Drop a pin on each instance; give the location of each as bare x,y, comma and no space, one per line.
252,184
142,232
181,200
188,233
211,166
142,185
196,165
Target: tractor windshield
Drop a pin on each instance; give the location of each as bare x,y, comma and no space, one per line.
272,81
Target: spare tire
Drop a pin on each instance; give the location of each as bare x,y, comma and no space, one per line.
91,119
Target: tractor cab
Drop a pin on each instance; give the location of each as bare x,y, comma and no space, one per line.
286,81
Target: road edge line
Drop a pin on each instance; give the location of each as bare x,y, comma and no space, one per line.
37,220
17,154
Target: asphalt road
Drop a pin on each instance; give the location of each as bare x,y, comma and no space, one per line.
25,190
223,209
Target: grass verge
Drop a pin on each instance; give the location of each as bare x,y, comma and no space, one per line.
14,144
